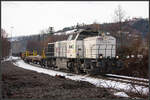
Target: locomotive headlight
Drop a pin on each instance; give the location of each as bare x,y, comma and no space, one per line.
100,57
127,56
117,57
132,56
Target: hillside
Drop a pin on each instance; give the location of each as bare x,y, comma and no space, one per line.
133,29
134,26
141,25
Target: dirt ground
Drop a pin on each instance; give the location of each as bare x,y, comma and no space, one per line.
20,83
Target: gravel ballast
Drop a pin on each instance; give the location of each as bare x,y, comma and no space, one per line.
20,83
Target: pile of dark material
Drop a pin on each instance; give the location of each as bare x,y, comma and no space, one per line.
135,67
20,83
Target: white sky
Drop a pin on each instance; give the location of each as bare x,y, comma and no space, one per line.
33,16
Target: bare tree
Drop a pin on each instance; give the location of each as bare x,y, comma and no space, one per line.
50,30
42,32
95,26
34,45
119,16
5,43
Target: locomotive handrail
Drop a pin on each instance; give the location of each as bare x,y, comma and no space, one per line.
99,49
111,50
102,49
105,50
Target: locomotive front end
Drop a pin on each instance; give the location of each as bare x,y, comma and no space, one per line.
100,52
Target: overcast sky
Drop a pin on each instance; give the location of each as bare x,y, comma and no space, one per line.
32,17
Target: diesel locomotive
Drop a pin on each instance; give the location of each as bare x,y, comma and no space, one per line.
84,51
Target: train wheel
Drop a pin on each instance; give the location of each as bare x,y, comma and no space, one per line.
28,62
76,68
41,64
87,71
70,66
46,63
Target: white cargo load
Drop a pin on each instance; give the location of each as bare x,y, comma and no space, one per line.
94,46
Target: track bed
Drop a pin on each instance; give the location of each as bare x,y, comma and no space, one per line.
123,79
21,83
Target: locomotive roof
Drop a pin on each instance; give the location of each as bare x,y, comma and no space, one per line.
85,32
81,34
108,37
89,32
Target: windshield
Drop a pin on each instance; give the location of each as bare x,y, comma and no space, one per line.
72,37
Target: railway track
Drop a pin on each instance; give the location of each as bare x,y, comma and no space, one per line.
128,80
124,79
127,77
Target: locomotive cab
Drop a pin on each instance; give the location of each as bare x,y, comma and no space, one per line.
75,43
